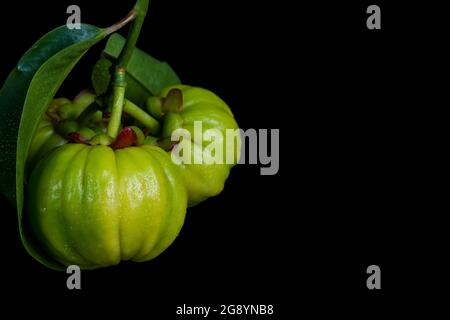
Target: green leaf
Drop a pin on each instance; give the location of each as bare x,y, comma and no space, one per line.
101,75
24,98
14,91
146,76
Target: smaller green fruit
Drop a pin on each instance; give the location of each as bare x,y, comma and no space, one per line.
65,127
73,110
86,133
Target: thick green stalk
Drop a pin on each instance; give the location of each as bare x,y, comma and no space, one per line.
139,11
117,103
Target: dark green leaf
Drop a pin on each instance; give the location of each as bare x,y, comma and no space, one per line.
101,75
146,76
23,100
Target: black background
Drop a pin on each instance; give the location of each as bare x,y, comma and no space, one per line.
300,240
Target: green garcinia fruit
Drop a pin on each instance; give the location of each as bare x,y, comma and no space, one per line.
94,206
181,107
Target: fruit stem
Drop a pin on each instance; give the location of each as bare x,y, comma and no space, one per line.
142,116
139,12
117,103
129,17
